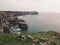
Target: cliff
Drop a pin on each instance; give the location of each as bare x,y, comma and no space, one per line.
20,13
8,17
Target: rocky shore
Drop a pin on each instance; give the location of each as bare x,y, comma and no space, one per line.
9,18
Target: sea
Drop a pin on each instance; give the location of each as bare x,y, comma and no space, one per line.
42,22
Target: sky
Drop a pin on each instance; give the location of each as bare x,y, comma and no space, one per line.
30,5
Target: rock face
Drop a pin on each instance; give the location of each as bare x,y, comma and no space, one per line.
4,24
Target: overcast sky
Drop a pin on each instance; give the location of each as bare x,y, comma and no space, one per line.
30,5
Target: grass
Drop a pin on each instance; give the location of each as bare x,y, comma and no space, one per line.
39,38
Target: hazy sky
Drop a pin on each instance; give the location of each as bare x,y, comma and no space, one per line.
38,5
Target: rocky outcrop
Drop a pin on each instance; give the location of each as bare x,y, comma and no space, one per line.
7,20
22,24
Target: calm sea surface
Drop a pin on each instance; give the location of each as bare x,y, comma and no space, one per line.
42,22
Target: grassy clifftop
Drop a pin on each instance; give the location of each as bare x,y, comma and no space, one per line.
39,38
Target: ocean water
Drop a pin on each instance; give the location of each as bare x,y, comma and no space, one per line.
42,22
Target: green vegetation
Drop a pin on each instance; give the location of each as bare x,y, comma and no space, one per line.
39,38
